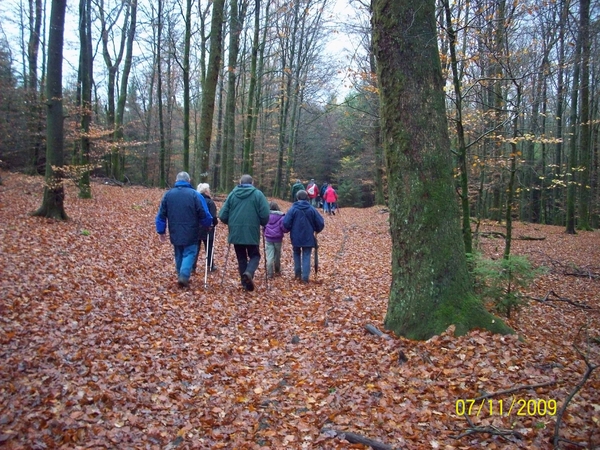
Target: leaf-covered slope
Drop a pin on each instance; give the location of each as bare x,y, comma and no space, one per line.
101,349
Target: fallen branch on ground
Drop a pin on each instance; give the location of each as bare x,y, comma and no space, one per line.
559,417
374,330
558,298
487,430
583,274
354,438
515,389
495,234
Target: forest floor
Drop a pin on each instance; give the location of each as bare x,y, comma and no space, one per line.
100,348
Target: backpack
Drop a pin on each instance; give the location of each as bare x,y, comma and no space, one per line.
311,189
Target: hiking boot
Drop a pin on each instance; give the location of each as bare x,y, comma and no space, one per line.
247,281
183,281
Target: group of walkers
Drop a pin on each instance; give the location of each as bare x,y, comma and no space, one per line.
324,197
190,215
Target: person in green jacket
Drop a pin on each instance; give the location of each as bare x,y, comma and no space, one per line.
244,211
298,186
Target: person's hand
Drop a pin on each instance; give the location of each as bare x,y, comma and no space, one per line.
162,238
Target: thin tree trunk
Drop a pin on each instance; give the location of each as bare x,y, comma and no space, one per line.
571,189
186,85
235,28
249,134
85,93
513,171
585,152
35,119
159,97
460,134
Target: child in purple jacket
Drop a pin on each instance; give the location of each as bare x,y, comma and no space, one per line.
274,231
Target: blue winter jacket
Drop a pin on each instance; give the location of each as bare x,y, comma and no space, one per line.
303,220
184,211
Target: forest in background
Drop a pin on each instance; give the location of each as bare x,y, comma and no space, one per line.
522,98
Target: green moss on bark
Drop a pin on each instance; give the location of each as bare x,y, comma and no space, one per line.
431,287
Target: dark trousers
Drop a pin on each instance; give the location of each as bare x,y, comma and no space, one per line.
209,242
248,257
208,247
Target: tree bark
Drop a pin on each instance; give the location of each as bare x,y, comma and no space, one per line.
85,93
430,283
54,194
210,88
585,152
573,160
124,84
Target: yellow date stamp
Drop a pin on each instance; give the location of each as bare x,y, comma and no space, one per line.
521,407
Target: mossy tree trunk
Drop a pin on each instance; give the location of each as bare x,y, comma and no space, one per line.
54,193
430,283
209,90
86,68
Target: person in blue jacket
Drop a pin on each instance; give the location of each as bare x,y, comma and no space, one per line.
183,211
303,221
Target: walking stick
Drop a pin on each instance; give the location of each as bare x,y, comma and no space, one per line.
225,268
316,257
206,259
212,250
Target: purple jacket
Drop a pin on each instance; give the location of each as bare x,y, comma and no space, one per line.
274,230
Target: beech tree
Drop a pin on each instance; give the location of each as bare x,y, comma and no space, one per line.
430,287
54,194
84,93
209,88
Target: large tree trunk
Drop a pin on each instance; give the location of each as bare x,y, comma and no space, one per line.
430,283
54,195
209,89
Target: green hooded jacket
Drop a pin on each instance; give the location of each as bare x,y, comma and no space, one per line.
244,211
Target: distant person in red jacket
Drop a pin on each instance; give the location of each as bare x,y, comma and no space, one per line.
330,200
313,192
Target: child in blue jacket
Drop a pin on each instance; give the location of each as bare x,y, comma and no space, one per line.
303,221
